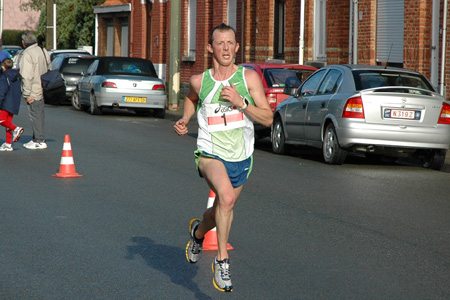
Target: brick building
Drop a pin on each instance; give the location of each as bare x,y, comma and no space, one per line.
404,33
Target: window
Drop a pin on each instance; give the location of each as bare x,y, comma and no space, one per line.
310,85
110,38
330,83
192,29
320,27
231,14
278,46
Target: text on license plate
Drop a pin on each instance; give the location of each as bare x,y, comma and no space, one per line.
135,99
402,114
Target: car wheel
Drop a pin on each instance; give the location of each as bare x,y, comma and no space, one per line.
278,139
435,160
332,153
93,108
160,113
76,100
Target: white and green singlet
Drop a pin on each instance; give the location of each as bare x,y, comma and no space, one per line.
224,129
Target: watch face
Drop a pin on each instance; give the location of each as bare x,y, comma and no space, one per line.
246,101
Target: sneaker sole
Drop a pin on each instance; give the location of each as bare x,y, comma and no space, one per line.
226,290
18,135
189,243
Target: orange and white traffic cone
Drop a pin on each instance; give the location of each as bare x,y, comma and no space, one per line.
67,166
210,241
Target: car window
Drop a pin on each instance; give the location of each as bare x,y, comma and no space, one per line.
372,79
56,63
330,83
130,67
92,68
285,77
310,85
75,65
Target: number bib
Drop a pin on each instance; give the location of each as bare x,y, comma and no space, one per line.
223,117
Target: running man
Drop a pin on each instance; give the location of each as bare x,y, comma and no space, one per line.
228,98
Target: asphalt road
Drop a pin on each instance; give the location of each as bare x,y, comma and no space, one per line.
302,229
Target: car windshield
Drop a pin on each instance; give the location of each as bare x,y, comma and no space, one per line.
75,65
130,67
285,77
372,79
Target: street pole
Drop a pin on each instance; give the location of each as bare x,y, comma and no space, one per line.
174,54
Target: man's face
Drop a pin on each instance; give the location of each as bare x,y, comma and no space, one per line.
224,47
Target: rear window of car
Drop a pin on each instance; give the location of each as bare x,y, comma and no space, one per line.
130,67
374,79
76,65
285,77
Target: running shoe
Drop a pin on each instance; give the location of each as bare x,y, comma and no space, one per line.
35,145
6,147
195,246
222,275
16,133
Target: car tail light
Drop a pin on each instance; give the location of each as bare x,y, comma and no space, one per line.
444,117
353,108
109,84
272,99
158,87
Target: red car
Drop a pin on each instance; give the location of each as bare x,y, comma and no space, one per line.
275,78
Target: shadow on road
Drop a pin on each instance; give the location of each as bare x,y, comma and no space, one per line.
169,260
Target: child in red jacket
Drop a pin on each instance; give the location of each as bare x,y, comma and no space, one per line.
10,95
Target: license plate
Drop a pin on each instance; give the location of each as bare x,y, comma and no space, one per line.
402,114
135,99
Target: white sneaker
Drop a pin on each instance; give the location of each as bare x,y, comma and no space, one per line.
16,133
6,147
31,145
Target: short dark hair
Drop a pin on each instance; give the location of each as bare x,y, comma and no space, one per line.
221,27
8,63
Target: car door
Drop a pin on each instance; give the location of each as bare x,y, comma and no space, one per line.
296,110
85,83
317,107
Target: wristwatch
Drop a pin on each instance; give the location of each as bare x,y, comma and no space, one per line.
246,103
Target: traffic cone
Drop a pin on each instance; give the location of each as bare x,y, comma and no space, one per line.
67,166
210,241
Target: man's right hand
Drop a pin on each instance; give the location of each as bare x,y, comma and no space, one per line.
180,127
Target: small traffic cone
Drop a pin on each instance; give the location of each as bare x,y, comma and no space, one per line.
67,166
210,241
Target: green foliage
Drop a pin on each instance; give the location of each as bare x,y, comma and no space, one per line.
12,37
75,21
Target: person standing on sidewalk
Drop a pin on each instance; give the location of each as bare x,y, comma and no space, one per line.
10,96
33,62
228,98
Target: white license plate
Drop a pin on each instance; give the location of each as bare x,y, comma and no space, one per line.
402,114
135,99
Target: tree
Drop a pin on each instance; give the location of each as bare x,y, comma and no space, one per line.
75,21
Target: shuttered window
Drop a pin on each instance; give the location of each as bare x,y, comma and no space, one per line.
390,31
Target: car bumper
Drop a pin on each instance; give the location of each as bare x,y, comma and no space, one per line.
352,134
117,100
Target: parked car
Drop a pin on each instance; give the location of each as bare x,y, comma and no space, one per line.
71,66
12,50
372,109
55,52
275,78
121,82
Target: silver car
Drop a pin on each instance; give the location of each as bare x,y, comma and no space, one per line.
122,83
383,112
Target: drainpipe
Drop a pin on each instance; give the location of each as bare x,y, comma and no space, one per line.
302,33
444,42
96,35
435,43
355,31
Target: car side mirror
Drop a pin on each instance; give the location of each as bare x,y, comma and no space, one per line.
291,91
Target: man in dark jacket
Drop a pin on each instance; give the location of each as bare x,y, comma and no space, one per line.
10,95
